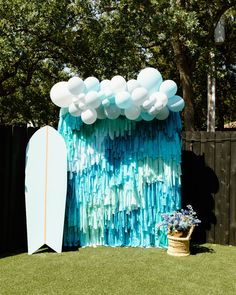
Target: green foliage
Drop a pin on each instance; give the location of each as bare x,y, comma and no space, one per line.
38,39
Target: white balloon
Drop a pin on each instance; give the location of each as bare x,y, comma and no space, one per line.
169,87
132,113
147,104
89,116
150,78
74,110
176,103
163,114
92,100
101,95
104,84
92,84
76,85
153,110
79,98
132,84
82,105
139,95
160,99
123,99
118,84
112,111
60,95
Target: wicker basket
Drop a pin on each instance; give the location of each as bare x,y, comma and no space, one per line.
178,246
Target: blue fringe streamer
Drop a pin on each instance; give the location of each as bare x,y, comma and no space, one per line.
122,175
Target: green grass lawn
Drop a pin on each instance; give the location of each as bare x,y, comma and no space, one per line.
105,270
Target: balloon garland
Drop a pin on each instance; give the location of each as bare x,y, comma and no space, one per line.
144,98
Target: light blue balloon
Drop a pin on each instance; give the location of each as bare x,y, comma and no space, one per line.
169,87
92,84
176,103
123,99
163,114
106,102
150,79
112,111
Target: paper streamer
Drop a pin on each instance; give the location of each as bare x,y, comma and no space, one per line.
122,175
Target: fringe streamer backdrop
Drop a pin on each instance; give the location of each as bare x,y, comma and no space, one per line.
122,175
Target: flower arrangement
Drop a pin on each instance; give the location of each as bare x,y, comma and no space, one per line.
179,222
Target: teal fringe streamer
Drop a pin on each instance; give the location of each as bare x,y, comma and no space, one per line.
122,175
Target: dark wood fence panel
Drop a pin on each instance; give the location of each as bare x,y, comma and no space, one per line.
12,176
232,192
209,183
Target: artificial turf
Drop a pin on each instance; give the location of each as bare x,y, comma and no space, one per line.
211,269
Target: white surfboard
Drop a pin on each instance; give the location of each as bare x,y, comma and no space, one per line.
45,189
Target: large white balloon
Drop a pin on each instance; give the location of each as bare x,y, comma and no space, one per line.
169,87
132,84
123,99
92,84
118,84
175,103
89,116
159,99
74,110
104,84
112,111
150,79
163,114
132,113
60,95
139,95
76,85
92,100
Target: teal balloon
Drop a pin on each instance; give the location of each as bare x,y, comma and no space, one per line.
176,103
147,117
169,87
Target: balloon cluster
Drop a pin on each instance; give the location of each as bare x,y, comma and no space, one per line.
144,98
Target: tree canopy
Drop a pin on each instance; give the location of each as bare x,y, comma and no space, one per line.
39,40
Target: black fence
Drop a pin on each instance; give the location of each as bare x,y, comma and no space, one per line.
208,184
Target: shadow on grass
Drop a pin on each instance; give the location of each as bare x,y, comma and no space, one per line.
197,249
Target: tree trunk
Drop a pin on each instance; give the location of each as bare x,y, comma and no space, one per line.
185,79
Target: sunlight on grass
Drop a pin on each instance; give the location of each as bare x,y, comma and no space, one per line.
106,270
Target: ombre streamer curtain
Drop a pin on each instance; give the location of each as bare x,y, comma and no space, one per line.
122,175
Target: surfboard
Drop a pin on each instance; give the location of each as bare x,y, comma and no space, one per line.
45,189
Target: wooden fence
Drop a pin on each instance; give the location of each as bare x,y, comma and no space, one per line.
208,184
